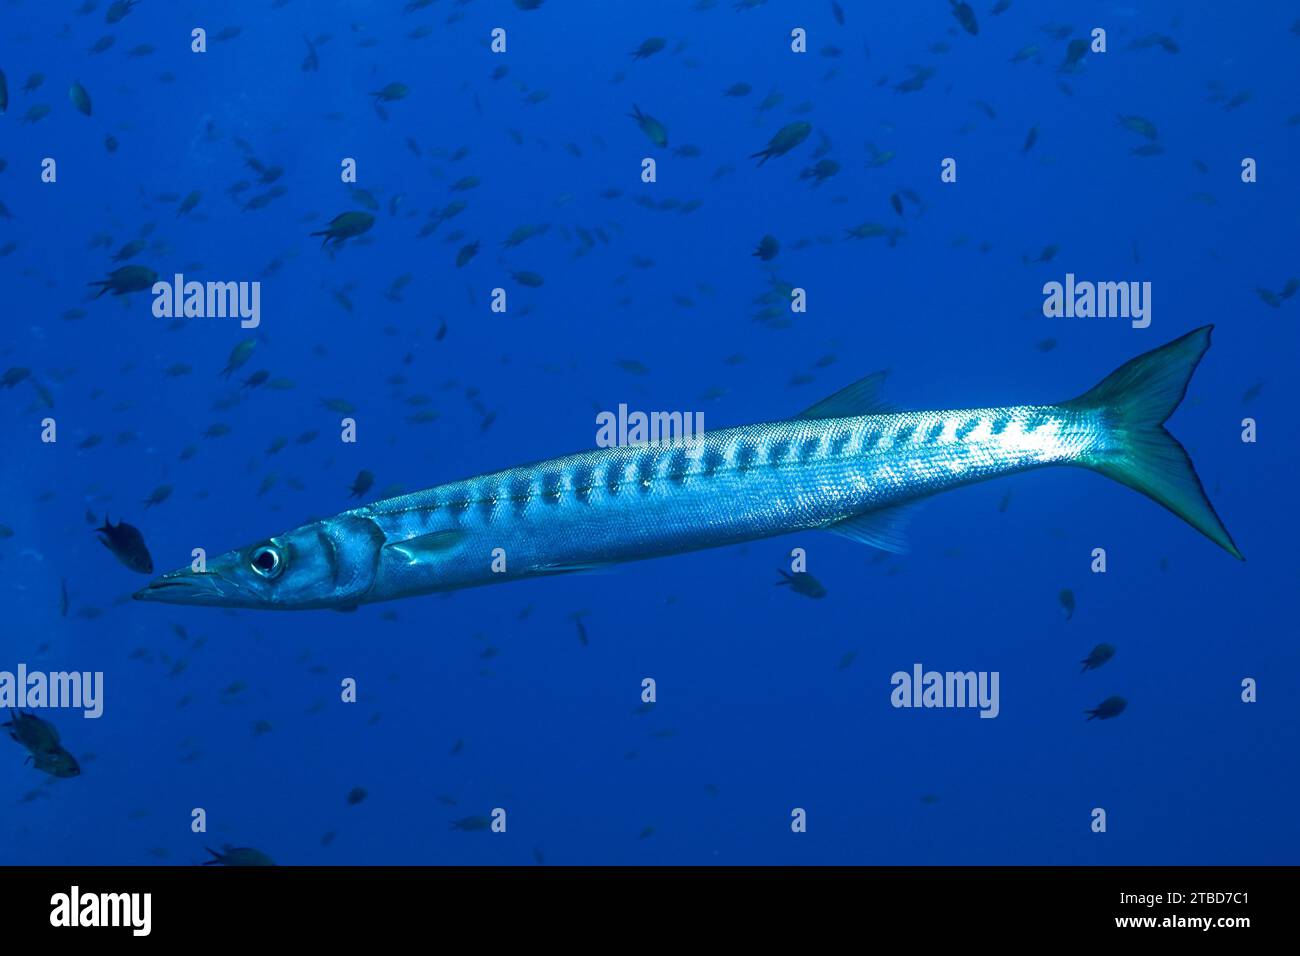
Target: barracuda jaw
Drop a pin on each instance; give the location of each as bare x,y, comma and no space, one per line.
190,587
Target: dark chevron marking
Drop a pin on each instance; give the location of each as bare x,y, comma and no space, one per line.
646,471
614,477
713,460
583,479
552,487
521,493
679,466
1037,420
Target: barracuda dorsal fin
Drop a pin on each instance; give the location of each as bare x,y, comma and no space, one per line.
860,398
426,546
885,529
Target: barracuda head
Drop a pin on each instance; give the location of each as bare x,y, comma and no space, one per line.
325,564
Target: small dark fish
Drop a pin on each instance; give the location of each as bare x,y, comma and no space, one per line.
118,9
767,249
649,48
802,583
784,140
632,366
1074,54
126,280
965,16
582,631
1030,139
361,484
158,496
1097,656
1140,125
1066,597
356,795
654,129
238,356
470,824
310,63
80,98
238,856
32,732
466,253
189,202
1047,255
1147,149
56,762
1108,708
344,226
127,544
391,93
822,170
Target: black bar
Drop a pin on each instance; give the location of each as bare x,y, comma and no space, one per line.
325,904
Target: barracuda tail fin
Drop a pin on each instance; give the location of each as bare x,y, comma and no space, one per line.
1136,399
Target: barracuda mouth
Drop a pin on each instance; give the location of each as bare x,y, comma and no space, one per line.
190,587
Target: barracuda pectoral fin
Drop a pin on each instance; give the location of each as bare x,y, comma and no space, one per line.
426,547
885,529
860,398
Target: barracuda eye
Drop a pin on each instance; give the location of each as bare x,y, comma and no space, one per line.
267,562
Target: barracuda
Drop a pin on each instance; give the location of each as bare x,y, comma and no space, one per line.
846,465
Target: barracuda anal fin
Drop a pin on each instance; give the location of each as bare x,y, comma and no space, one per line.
576,568
885,529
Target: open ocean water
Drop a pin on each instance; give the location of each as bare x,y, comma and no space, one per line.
519,707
